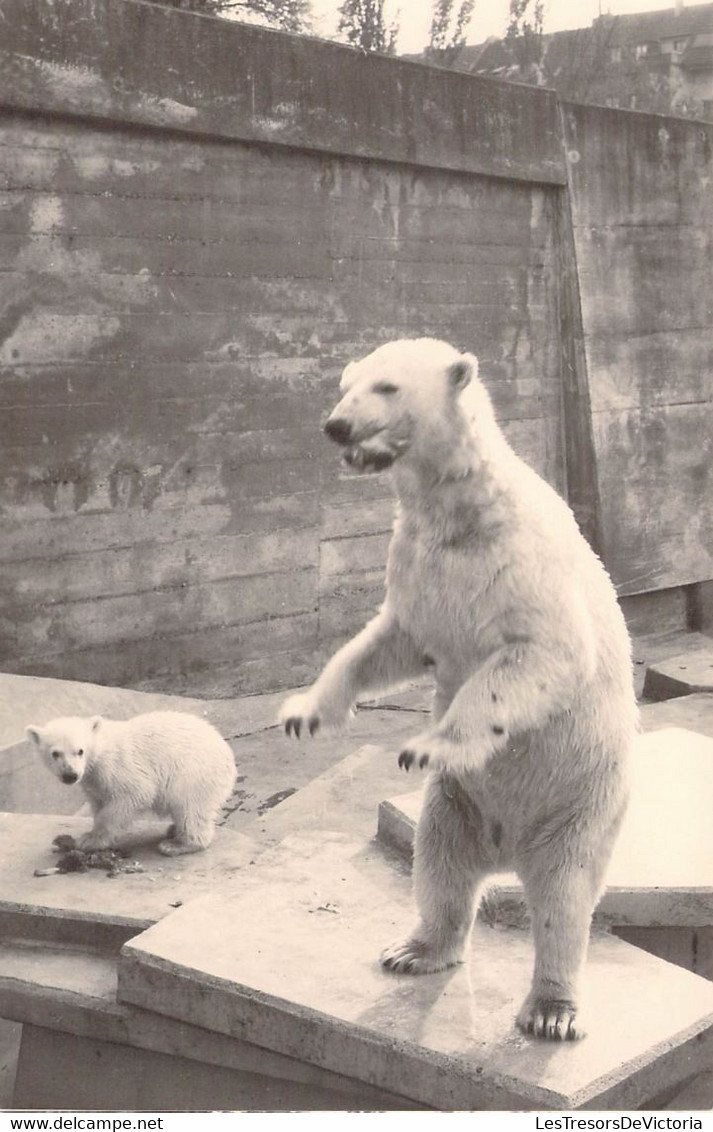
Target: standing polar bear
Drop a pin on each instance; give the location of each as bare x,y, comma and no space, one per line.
170,762
490,585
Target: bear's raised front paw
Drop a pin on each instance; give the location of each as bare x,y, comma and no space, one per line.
300,711
414,957
556,1019
425,750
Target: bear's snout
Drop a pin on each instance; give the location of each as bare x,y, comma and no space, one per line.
338,430
69,777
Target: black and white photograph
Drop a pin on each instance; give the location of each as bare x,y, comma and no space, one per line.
356,563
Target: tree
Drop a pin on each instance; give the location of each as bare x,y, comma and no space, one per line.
524,37
363,24
289,15
448,27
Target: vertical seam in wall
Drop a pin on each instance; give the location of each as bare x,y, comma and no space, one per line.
580,461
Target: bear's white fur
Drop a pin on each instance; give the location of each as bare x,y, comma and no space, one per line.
491,584
172,763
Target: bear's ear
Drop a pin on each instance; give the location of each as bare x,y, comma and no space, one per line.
35,734
462,372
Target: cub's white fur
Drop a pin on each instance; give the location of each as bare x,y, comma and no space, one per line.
491,585
172,763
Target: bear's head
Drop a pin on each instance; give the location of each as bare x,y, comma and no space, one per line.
64,745
402,400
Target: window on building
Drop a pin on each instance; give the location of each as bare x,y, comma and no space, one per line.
615,54
641,50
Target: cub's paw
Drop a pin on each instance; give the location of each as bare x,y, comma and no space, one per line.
91,842
556,1019
172,848
424,751
414,957
298,712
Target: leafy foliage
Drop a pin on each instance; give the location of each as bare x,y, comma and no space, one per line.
448,26
363,24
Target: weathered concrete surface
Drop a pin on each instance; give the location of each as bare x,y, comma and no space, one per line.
661,872
66,1000
177,304
642,199
680,675
313,989
695,713
91,906
153,66
176,313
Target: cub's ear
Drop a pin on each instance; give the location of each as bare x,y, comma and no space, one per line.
35,734
463,371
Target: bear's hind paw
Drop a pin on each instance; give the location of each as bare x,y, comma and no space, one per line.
414,957
555,1019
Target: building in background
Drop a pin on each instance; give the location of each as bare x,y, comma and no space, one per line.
653,61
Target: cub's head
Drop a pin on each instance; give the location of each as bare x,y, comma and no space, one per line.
402,397
64,745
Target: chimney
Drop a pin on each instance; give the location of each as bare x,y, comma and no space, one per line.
679,7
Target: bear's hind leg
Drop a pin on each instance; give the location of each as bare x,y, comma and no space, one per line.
451,860
189,833
561,901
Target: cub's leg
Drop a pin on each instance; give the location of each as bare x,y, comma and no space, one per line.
450,862
110,822
562,883
380,656
189,833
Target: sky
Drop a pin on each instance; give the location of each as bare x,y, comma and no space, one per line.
490,17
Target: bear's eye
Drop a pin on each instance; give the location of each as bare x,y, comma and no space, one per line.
56,754
80,752
386,388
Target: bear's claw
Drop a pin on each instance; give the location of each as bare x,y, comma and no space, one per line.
293,725
553,1019
408,758
415,957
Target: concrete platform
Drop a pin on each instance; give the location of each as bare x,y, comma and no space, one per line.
90,908
66,999
680,675
291,966
694,713
661,873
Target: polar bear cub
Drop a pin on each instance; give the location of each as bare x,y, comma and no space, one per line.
172,763
490,587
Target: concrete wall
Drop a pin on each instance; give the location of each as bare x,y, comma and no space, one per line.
642,203
200,223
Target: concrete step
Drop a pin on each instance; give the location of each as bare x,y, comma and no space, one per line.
66,999
681,675
661,873
346,795
292,964
694,713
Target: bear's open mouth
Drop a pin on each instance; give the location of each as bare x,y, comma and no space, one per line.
372,453
365,459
